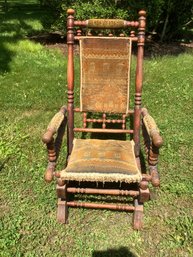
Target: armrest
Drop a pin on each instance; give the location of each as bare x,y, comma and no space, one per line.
54,125
153,141
152,128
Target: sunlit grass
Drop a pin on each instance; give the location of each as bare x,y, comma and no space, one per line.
33,88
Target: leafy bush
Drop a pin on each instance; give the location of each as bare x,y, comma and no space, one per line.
165,19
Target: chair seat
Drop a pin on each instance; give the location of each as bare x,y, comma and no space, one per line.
102,161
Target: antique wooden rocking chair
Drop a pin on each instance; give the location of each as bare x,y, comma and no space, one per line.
104,166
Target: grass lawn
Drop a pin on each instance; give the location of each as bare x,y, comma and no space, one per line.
32,89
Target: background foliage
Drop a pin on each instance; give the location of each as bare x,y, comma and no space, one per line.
165,18
32,89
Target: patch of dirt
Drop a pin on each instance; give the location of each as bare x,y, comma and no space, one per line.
57,41
159,49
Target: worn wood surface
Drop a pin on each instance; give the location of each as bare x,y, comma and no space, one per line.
104,97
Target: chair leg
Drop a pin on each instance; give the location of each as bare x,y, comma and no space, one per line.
138,215
62,210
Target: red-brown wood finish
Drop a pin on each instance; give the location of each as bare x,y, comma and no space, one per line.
115,207
138,191
139,81
102,191
70,77
103,130
153,141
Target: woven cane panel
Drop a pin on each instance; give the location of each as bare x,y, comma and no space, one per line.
105,70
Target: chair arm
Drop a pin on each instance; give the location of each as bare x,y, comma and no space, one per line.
54,125
152,128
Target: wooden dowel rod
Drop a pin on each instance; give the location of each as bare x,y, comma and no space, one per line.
102,206
92,130
80,23
107,121
76,109
102,191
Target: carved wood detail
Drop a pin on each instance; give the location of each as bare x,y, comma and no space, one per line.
142,193
102,191
138,81
70,77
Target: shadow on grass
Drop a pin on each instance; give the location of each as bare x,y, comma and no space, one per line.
14,27
121,252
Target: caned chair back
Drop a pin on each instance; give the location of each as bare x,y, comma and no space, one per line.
105,74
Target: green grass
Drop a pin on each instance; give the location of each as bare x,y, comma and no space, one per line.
32,83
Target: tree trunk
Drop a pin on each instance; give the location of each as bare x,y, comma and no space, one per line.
164,28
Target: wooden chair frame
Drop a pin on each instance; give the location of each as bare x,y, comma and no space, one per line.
142,119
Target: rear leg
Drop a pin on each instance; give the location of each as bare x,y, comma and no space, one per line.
138,215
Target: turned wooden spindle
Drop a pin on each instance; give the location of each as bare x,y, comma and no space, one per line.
123,121
153,143
49,174
52,161
138,81
102,191
79,32
56,125
132,33
84,119
101,206
155,179
104,121
70,77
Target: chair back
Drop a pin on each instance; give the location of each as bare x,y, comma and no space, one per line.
105,73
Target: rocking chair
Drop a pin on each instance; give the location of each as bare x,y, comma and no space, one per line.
105,165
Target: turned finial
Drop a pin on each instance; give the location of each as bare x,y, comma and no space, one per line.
70,12
142,13
132,33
